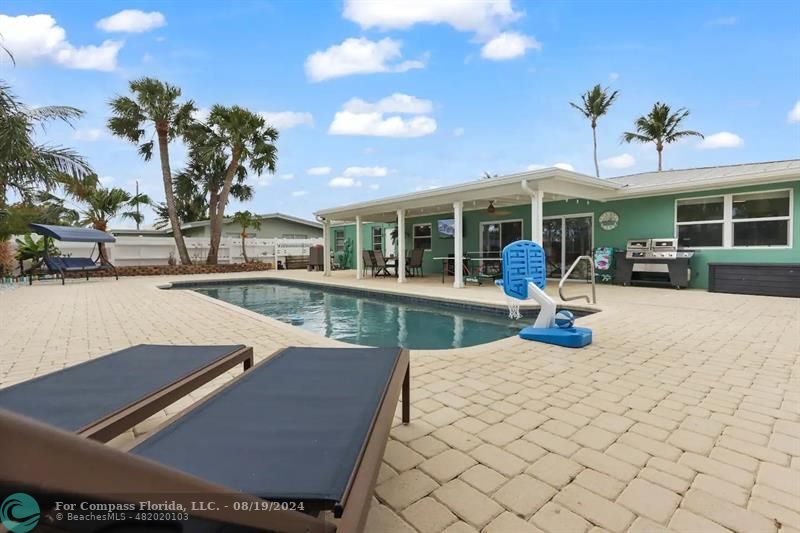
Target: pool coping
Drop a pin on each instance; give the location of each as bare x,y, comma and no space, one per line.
495,309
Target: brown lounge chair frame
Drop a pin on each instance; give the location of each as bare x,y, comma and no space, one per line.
55,461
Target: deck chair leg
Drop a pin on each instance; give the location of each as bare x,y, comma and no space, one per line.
407,396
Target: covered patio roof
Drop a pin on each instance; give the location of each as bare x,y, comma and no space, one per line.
515,189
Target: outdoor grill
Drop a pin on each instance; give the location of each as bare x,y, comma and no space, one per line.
652,259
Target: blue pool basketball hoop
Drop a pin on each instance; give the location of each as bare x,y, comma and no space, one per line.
524,278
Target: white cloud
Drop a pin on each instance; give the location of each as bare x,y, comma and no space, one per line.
723,139
794,115
426,187
722,21
479,16
287,119
35,38
132,21
286,177
358,56
620,161
509,45
106,181
369,119
91,134
374,186
344,182
614,76
375,125
297,194
318,171
562,166
458,132
396,103
369,172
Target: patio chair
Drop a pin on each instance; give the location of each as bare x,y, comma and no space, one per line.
381,268
368,261
415,262
106,396
304,430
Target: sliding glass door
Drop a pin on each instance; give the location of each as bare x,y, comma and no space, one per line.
565,239
494,237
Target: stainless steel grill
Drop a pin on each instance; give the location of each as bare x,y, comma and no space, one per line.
655,249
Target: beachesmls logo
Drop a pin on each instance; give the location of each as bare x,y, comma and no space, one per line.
19,513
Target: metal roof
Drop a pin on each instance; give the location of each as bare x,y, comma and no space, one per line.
290,218
718,173
72,234
559,184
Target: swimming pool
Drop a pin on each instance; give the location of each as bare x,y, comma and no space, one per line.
368,319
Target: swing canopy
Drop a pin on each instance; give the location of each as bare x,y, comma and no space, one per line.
72,234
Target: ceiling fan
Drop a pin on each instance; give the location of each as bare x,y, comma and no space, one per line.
492,210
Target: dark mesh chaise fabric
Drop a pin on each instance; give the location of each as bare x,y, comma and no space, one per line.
72,398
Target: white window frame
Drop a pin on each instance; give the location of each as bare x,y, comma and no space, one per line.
336,239
501,222
728,221
379,234
414,237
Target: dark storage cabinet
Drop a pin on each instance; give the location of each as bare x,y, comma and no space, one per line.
767,279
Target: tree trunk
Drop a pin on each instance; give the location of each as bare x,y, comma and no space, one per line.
219,215
169,195
659,148
244,250
594,141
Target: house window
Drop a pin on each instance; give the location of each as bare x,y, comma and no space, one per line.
377,238
338,240
422,236
761,219
700,222
735,220
294,236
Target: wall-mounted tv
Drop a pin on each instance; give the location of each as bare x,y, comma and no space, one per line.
447,228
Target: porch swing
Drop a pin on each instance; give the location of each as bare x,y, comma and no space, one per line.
63,265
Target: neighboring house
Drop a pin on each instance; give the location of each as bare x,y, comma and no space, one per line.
744,213
273,226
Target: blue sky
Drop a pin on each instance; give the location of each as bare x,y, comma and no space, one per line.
390,97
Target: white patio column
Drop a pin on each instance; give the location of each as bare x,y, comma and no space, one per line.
326,247
536,216
401,246
359,254
458,245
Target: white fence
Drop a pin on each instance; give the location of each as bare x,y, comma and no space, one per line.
136,251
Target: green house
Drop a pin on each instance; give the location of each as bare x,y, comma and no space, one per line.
726,215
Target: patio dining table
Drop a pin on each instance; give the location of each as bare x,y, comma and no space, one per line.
467,259
391,262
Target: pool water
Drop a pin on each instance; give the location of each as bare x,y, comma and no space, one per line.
368,321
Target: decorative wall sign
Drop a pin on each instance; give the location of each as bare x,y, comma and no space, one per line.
609,220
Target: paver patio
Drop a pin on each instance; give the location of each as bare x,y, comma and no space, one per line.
683,415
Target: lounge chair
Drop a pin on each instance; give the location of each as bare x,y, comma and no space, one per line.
381,268
415,262
61,266
106,396
304,430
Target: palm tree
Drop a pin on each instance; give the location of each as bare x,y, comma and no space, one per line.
98,205
246,143
246,219
155,105
193,185
594,104
25,164
661,127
